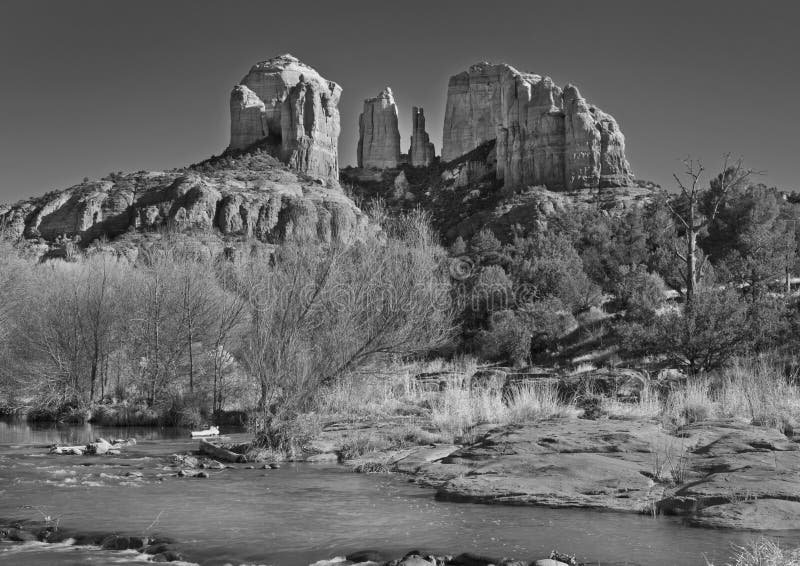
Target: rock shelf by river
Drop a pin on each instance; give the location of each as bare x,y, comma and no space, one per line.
721,474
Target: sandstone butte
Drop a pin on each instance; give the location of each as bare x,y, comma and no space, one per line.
291,105
546,135
288,189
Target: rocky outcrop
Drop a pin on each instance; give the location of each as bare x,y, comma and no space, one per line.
545,135
288,103
255,197
422,152
378,135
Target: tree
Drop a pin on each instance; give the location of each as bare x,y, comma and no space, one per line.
706,332
317,313
692,221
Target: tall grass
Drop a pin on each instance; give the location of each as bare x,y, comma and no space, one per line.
460,407
690,403
763,552
756,390
647,406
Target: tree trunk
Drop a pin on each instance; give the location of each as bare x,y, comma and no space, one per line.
191,359
691,265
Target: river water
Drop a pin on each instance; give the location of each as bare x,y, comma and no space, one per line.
299,513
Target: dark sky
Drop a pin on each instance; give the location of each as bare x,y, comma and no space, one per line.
90,86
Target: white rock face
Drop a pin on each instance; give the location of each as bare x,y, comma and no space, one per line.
545,135
248,118
422,152
378,134
290,104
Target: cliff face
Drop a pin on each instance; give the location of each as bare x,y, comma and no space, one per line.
378,135
291,104
256,197
545,135
422,152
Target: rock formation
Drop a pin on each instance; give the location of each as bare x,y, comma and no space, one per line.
422,152
545,135
272,205
378,135
289,104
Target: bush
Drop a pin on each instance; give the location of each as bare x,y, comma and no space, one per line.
703,336
288,437
639,293
534,327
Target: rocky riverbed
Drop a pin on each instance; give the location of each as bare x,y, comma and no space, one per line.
720,474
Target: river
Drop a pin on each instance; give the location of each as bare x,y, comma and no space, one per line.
298,514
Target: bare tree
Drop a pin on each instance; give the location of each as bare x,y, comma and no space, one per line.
689,216
316,314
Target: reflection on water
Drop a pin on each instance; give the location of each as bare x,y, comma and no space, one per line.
14,432
300,513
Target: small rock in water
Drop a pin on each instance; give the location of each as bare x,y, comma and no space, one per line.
415,560
274,466
202,475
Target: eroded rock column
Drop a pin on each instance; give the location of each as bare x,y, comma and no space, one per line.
422,152
378,134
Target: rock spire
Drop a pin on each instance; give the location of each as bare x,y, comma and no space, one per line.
422,152
378,135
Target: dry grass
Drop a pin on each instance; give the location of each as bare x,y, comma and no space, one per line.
753,390
647,406
763,552
459,408
689,404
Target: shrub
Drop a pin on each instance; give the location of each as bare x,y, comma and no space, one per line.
535,327
640,293
704,335
288,437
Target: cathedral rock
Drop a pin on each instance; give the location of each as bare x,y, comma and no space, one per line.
545,135
288,104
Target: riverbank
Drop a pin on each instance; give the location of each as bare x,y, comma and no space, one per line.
721,454
299,513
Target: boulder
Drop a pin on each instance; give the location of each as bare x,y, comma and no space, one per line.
545,135
291,105
422,152
99,446
378,134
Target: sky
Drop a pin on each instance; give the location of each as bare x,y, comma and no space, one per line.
94,86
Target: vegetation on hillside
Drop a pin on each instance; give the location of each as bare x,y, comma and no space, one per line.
178,335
